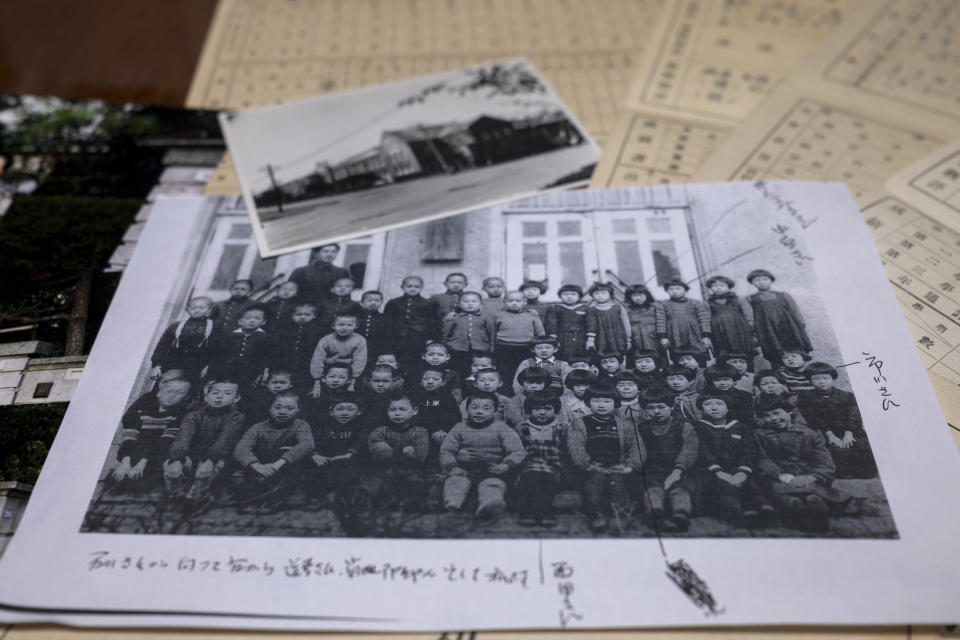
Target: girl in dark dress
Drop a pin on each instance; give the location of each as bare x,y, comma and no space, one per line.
731,320
573,323
642,312
613,324
776,318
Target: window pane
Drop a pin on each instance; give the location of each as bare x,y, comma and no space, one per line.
534,261
355,261
628,261
240,231
625,226
571,264
665,260
534,229
568,228
659,224
229,266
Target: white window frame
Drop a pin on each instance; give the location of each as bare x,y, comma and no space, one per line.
598,242
516,240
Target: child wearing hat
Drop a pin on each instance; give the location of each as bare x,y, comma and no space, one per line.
682,321
572,323
777,319
731,318
532,290
642,315
834,413
613,323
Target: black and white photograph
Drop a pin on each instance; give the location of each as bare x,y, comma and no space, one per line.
335,167
532,405
576,365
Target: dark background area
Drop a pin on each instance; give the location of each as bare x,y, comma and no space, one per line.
118,50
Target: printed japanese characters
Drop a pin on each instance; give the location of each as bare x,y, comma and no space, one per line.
347,164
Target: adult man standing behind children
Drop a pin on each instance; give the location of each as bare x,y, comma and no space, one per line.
316,279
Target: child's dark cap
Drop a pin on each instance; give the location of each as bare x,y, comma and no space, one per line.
759,272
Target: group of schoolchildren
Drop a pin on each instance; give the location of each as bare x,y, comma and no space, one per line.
485,400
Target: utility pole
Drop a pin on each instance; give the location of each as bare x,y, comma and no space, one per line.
276,189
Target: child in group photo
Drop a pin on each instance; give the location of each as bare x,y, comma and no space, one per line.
479,452
572,323
605,448
270,454
613,322
777,320
602,413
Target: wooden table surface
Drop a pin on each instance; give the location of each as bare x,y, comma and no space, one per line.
121,50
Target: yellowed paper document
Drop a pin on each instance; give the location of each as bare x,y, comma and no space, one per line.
709,64
932,184
879,94
260,51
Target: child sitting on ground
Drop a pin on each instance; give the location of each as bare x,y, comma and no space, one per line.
543,436
149,427
398,449
481,451
270,452
334,469
672,447
834,413
206,439
605,447
796,468
728,459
